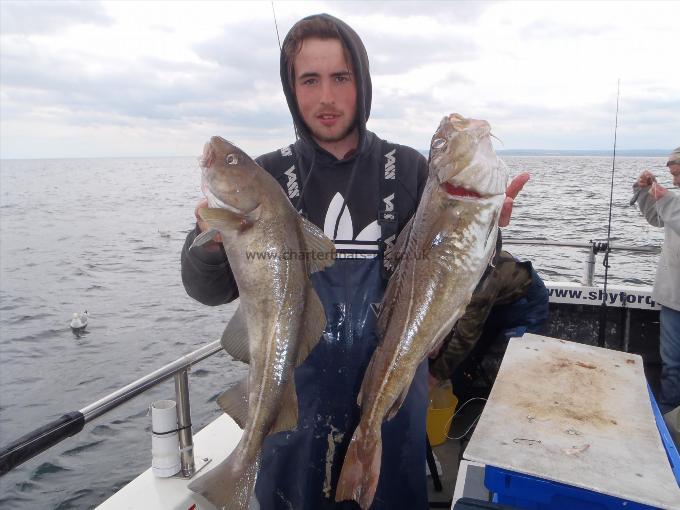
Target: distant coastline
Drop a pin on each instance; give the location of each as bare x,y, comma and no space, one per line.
641,153
630,153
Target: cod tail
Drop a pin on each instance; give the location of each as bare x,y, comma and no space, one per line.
230,484
361,469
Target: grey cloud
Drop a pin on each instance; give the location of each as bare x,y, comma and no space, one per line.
394,54
670,105
252,51
148,88
29,17
640,121
394,106
137,91
247,50
634,111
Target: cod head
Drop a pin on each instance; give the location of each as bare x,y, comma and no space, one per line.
229,182
463,160
228,179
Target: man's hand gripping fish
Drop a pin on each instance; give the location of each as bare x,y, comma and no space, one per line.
441,255
271,250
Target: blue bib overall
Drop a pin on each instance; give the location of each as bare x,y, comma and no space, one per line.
300,468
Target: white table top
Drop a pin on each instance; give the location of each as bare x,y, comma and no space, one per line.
575,414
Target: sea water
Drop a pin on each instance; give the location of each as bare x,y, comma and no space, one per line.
105,235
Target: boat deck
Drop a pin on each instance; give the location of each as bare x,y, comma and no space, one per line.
221,436
449,454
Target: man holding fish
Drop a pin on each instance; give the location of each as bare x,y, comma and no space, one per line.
361,191
661,208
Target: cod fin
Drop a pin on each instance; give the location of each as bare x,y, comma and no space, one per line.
226,220
313,323
230,484
396,252
235,338
395,255
287,418
360,469
234,402
204,237
319,249
397,404
367,377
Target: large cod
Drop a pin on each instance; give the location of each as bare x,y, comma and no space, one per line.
440,256
271,250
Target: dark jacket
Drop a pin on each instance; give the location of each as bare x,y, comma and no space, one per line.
512,296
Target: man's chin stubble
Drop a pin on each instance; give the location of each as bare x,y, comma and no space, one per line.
337,138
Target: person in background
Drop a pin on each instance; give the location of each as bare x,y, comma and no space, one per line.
661,208
511,301
340,176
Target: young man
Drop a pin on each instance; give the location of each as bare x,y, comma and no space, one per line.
661,208
343,178
361,191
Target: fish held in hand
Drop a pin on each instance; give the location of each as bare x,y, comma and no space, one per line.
440,256
271,250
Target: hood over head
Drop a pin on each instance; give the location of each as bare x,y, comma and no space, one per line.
357,52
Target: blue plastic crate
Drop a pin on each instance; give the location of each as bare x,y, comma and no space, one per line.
532,493
668,444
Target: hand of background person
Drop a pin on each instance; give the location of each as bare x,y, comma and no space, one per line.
657,191
645,179
202,225
511,193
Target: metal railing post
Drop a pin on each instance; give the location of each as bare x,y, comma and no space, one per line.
589,268
186,440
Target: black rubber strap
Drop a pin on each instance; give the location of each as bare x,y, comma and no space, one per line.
39,440
173,431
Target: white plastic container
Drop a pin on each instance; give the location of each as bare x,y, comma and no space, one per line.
165,460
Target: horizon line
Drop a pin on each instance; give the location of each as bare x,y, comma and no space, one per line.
659,152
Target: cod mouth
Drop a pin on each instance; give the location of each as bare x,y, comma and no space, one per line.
454,191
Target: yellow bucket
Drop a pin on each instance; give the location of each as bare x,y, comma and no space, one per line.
440,413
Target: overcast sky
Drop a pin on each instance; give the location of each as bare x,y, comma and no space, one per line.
81,79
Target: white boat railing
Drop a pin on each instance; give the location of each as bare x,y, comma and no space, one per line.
71,423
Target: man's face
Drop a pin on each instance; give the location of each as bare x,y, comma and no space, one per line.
675,172
325,89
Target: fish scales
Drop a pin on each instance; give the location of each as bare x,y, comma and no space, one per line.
441,255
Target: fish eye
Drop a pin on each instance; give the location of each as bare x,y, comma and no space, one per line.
438,143
232,159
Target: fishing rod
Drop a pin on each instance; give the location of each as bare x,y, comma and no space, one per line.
276,25
605,262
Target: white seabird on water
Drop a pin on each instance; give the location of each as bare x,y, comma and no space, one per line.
79,322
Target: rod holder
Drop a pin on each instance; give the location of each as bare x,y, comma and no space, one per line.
165,458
